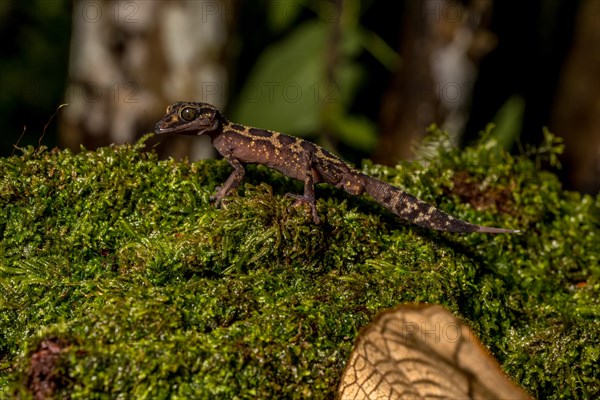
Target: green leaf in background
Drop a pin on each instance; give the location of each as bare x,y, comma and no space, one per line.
509,120
283,90
282,13
356,131
288,89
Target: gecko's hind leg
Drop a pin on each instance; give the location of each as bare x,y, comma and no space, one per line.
309,195
309,189
302,200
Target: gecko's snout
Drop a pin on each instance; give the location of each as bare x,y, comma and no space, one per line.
158,128
163,126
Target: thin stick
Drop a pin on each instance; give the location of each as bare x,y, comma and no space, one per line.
16,145
48,123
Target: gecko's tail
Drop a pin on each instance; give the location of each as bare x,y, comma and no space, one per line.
419,212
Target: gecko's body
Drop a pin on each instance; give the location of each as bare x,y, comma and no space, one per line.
302,160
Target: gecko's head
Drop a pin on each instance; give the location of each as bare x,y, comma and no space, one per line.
190,119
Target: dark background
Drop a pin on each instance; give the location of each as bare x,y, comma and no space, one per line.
521,73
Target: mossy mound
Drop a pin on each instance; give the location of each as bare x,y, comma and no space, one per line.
118,279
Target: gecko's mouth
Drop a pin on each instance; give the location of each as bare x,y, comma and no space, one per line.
162,127
188,128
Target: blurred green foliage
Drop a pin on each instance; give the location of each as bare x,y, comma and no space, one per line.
305,83
145,290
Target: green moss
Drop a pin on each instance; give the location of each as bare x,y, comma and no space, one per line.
119,277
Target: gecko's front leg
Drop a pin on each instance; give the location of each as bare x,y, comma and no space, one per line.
234,180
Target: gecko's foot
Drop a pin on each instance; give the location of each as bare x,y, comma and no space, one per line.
303,200
216,199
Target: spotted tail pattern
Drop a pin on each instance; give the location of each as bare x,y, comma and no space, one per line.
419,212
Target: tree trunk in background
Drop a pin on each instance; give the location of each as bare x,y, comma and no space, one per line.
537,50
576,114
442,41
130,59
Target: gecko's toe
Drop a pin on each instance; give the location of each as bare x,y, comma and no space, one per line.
316,218
302,201
215,199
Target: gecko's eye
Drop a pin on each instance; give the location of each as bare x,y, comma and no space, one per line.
189,114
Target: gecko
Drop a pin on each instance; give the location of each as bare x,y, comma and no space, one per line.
302,160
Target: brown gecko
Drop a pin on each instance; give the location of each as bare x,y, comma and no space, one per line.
302,160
